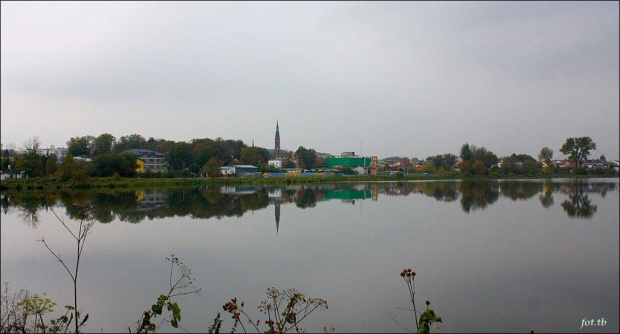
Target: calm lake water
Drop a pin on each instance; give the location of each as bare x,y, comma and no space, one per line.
507,256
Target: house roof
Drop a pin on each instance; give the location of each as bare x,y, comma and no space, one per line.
140,151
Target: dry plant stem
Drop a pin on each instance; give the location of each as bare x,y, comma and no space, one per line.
409,276
83,232
396,320
415,312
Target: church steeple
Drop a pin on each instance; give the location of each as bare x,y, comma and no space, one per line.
277,143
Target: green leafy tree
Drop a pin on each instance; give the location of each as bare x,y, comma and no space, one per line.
307,157
152,144
449,161
487,157
123,164
578,149
437,161
125,143
180,156
466,152
104,144
50,165
429,167
67,168
520,164
201,153
466,167
165,147
473,154
254,156
31,161
530,167
213,167
287,161
479,167
545,155
80,146
194,168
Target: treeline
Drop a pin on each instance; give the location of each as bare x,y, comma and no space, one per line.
109,157
206,156
480,161
178,155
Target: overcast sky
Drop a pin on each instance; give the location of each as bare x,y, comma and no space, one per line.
385,78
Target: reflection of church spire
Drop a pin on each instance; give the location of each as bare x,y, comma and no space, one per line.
277,216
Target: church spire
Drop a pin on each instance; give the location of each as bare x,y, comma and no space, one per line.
277,142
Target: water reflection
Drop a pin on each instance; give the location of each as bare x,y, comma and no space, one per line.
218,202
578,204
478,195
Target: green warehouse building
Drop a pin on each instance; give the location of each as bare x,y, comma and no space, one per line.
352,162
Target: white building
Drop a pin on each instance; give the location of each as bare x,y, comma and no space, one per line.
277,163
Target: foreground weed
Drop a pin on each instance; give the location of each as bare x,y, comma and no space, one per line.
284,310
183,285
428,317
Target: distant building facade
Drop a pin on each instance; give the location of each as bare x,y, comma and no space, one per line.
148,160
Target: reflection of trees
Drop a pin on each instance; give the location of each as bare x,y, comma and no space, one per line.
28,206
578,204
546,199
441,191
520,190
28,212
207,202
306,198
478,195
107,206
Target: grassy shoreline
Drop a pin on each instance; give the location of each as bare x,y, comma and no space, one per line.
53,185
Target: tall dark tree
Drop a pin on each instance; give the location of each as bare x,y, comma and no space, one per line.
449,161
50,165
254,156
125,143
123,164
80,146
201,152
578,149
545,155
466,152
180,156
482,154
32,162
152,144
103,144
307,157
213,167
165,147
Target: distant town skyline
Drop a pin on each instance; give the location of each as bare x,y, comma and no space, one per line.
411,79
